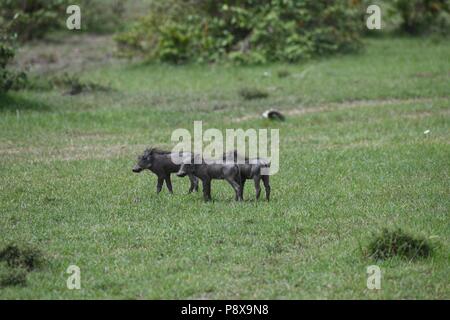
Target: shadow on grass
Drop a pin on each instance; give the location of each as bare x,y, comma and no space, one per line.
13,102
228,201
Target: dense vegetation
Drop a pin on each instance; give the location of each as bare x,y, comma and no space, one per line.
270,30
31,19
246,30
424,16
8,78
22,21
6,54
249,31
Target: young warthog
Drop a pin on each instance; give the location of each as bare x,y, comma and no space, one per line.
251,169
211,170
160,163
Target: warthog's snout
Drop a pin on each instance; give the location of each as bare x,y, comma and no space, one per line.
137,169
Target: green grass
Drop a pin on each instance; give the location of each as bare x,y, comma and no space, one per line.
354,160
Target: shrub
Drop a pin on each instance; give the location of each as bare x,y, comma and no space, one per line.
398,243
421,16
101,16
6,54
24,257
13,277
8,79
74,85
19,261
247,31
33,18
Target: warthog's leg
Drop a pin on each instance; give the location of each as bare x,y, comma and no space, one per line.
169,183
160,184
257,179
266,186
194,183
206,189
236,186
242,187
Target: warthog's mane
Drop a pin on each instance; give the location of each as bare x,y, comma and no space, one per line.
156,151
153,151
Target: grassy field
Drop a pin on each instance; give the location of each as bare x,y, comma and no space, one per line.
354,159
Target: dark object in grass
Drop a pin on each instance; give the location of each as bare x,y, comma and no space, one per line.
251,169
283,73
21,257
75,85
160,163
13,277
210,170
273,115
253,93
398,243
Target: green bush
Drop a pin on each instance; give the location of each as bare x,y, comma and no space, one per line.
6,50
422,16
21,256
33,18
392,243
101,16
8,79
247,31
13,277
74,85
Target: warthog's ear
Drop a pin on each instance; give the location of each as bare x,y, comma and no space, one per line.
148,153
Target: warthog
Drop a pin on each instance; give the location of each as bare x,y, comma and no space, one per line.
213,170
251,169
160,163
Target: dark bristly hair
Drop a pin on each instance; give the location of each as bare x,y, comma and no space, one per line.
152,151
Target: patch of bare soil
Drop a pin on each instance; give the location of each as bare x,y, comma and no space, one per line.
342,106
71,53
431,74
89,145
70,153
